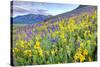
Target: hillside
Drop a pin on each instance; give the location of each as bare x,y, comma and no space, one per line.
80,10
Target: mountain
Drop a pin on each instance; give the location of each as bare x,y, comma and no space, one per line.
29,19
32,18
79,10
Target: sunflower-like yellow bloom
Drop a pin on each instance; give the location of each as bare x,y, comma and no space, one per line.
82,58
37,45
22,44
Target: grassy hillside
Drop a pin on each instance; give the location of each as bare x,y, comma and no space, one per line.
67,40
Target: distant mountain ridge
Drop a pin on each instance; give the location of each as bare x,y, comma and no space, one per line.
29,19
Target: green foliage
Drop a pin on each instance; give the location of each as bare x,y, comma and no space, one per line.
71,41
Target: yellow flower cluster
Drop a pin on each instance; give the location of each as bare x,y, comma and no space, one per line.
28,53
38,48
80,55
62,35
37,45
21,43
85,52
15,50
40,52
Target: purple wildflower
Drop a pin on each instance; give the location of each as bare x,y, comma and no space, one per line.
54,40
29,33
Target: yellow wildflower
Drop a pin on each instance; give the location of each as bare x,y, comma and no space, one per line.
85,52
71,21
37,45
60,25
22,44
41,52
15,50
82,58
79,56
57,32
62,35
28,53
76,56
79,49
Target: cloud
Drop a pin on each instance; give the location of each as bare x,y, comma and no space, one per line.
39,11
22,8
19,10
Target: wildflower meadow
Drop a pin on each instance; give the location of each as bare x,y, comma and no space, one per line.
68,40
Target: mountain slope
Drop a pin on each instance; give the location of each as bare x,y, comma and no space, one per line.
80,10
29,19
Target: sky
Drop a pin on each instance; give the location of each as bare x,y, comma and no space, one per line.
27,7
